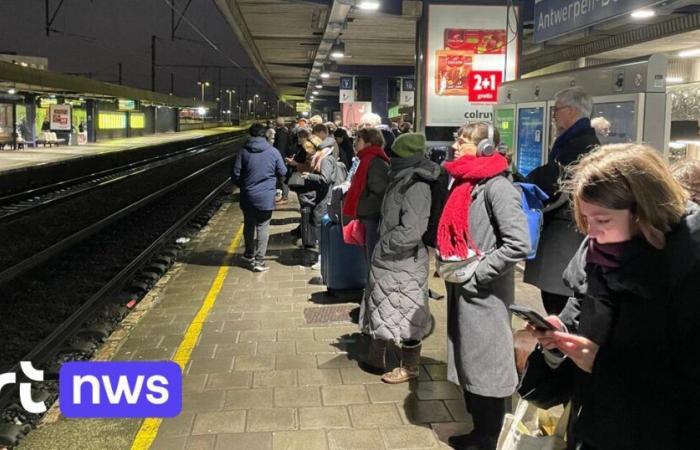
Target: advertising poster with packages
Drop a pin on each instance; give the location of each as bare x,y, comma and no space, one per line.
471,52
60,117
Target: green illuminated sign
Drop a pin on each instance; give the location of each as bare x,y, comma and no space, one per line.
505,123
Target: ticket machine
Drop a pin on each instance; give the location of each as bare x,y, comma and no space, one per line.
631,95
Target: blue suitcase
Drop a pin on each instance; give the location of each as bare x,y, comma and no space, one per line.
343,266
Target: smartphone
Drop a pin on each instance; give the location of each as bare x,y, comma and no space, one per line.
532,317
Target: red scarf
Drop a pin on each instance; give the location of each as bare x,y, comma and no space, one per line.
453,237
359,180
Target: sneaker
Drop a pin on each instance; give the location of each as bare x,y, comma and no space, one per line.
248,259
317,265
260,267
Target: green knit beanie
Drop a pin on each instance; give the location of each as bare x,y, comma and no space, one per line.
409,144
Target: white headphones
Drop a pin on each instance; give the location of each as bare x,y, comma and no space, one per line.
487,147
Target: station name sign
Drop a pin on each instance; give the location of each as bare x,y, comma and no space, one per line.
555,18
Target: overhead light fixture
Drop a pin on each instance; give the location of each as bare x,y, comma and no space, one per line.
12,91
643,13
338,50
319,86
325,72
369,5
689,53
315,92
675,80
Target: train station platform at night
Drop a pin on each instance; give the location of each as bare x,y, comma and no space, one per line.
270,360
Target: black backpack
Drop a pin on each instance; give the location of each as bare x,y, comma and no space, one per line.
439,190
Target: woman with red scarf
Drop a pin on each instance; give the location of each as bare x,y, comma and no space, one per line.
363,200
482,222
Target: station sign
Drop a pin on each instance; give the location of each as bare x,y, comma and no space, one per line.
347,90
471,51
126,105
408,92
303,107
554,18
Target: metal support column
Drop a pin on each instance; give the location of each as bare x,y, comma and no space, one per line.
153,63
421,80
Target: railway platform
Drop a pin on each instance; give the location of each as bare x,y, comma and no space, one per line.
13,160
269,360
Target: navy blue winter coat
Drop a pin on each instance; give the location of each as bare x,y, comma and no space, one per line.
255,172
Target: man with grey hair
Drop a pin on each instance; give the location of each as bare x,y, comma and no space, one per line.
559,239
372,120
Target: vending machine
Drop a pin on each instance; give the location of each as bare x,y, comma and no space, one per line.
630,95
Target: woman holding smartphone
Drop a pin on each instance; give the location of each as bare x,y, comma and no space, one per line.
632,321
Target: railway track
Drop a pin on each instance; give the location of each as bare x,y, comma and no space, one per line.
80,286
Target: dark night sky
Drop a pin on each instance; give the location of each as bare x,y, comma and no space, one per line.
102,33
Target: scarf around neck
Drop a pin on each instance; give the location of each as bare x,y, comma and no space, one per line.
359,180
567,135
453,237
611,256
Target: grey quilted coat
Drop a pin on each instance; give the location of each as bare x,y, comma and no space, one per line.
396,305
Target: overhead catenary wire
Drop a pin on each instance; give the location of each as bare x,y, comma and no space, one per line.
211,43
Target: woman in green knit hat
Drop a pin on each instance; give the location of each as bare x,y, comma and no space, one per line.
395,308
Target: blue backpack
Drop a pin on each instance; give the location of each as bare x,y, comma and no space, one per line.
532,200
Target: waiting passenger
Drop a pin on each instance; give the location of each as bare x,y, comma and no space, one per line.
326,138
255,172
324,174
559,239
632,322
363,200
482,234
601,125
344,141
687,172
396,307
371,120
283,144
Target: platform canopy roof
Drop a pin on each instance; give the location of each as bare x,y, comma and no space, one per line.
288,40
27,79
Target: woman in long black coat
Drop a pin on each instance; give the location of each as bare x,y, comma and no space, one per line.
632,340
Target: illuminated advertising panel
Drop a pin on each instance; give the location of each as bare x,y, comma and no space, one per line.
471,50
60,117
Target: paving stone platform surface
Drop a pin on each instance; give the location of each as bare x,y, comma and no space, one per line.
260,376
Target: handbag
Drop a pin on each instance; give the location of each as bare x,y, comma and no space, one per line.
296,180
458,272
354,233
516,434
544,386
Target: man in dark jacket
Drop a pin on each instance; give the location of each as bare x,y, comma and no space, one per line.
255,172
560,240
372,120
282,144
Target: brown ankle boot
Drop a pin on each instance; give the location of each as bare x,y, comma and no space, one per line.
410,360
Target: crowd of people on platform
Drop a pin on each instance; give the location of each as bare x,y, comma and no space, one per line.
617,265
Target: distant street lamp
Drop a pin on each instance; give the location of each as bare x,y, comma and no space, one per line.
203,84
255,106
230,92
250,107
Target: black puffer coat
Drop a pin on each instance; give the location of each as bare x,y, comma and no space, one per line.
644,390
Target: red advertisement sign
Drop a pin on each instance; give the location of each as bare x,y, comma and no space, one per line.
483,85
478,42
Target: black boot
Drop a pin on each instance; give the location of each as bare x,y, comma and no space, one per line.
487,414
375,362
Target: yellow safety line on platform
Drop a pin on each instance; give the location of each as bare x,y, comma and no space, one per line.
149,428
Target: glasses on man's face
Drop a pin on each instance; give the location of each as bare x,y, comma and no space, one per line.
558,108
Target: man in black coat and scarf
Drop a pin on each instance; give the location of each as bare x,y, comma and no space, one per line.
560,240
283,145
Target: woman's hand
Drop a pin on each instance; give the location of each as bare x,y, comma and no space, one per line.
546,338
305,175
291,162
582,351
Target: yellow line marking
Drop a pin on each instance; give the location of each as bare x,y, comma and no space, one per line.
149,428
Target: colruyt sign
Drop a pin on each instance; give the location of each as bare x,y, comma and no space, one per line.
554,18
